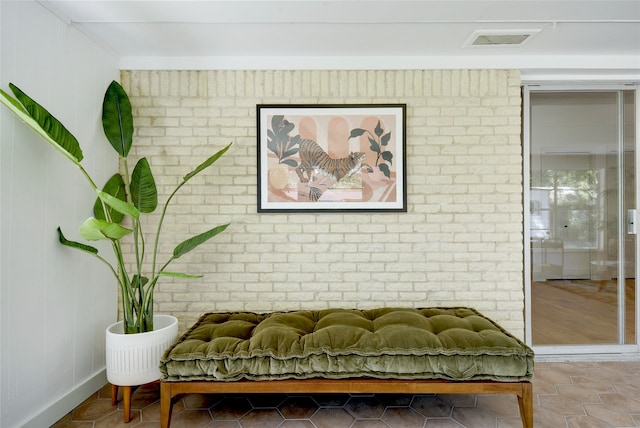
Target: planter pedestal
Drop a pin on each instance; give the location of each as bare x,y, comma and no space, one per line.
126,399
134,359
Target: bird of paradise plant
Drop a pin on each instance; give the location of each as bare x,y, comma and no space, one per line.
125,195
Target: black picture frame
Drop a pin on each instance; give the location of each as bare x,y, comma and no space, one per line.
331,158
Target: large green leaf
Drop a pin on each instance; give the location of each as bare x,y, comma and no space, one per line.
144,194
207,163
76,245
117,119
118,205
191,243
94,230
115,187
43,123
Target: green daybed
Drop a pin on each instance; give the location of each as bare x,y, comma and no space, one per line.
387,350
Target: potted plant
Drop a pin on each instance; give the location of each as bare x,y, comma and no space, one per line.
118,213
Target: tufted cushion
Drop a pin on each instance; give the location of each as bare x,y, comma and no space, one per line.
431,343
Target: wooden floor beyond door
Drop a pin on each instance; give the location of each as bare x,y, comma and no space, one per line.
579,312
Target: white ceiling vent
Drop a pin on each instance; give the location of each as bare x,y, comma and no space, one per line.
483,38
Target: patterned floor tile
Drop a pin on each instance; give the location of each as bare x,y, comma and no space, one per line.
566,395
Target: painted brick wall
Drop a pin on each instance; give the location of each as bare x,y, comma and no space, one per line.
460,243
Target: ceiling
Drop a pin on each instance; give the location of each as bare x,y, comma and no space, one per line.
386,33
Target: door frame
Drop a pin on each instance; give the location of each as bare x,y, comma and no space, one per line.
572,351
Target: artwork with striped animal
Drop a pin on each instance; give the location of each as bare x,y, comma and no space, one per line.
313,159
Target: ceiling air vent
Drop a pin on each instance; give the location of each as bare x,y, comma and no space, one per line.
500,37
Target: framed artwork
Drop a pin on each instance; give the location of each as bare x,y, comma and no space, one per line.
331,158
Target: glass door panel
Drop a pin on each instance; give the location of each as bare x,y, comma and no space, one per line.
582,184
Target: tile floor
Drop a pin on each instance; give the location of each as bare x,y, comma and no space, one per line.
581,395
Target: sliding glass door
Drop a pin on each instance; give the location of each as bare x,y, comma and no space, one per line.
581,175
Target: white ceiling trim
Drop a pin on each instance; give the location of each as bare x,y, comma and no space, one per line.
627,65
591,76
345,11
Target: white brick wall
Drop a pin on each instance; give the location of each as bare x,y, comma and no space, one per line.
459,244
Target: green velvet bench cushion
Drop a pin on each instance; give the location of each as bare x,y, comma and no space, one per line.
388,343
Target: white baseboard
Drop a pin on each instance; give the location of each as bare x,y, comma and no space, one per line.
63,405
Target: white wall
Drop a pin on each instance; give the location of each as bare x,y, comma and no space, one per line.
55,303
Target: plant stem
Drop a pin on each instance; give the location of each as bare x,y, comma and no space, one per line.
157,238
88,177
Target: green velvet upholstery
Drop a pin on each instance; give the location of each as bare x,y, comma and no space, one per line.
430,343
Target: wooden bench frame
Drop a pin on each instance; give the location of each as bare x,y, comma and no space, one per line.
523,390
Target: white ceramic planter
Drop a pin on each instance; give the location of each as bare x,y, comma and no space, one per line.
133,359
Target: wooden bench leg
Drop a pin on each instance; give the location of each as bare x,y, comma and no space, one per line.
525,402
166,404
